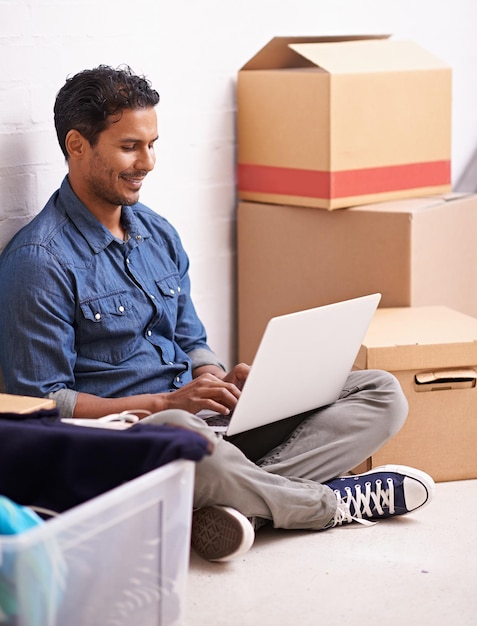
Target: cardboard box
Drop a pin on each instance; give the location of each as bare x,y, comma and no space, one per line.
333,122
433,353
415,252
23,404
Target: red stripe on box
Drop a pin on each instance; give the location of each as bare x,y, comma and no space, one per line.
318,184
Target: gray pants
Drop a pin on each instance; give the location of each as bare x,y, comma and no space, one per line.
285,484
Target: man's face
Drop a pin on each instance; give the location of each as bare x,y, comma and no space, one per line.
121,158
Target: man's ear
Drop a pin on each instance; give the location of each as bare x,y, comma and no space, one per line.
75,144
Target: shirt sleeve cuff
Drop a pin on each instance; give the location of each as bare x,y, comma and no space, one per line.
65,401
202,356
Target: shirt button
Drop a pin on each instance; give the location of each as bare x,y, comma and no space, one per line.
178,289
97,316
149,333
178,380
128,261
121,309
152,296
138,237
171,363
171,291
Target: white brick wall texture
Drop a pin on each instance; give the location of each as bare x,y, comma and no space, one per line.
191,51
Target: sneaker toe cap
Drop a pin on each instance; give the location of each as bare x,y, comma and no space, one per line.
416,494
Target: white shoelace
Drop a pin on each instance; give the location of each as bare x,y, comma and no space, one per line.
353,507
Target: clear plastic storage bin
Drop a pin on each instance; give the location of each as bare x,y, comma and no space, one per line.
120,559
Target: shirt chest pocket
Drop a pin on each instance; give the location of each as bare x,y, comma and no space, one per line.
107,307
169,290
107,327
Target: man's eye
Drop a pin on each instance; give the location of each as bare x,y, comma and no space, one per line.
128,148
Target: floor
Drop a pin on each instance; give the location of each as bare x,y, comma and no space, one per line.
416,569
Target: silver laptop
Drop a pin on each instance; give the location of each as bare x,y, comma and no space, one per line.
302,363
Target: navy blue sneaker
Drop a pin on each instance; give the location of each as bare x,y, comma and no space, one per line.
382,492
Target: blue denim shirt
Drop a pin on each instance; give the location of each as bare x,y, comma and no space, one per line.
81,311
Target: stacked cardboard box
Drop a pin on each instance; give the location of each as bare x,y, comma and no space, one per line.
433,353
336,122
361,124
415,252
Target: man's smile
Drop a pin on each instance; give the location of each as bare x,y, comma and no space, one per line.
135,182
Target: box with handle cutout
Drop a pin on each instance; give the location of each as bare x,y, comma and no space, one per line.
432,350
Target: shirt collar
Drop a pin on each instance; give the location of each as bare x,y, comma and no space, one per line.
95,233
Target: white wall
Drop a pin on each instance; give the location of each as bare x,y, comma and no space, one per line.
191,50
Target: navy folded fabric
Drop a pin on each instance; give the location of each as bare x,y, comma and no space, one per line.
49,464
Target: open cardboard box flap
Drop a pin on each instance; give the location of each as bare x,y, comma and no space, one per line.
278,53
366,56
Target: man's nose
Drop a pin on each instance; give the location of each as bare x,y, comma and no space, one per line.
146,160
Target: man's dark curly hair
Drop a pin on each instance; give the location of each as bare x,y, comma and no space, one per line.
90,100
